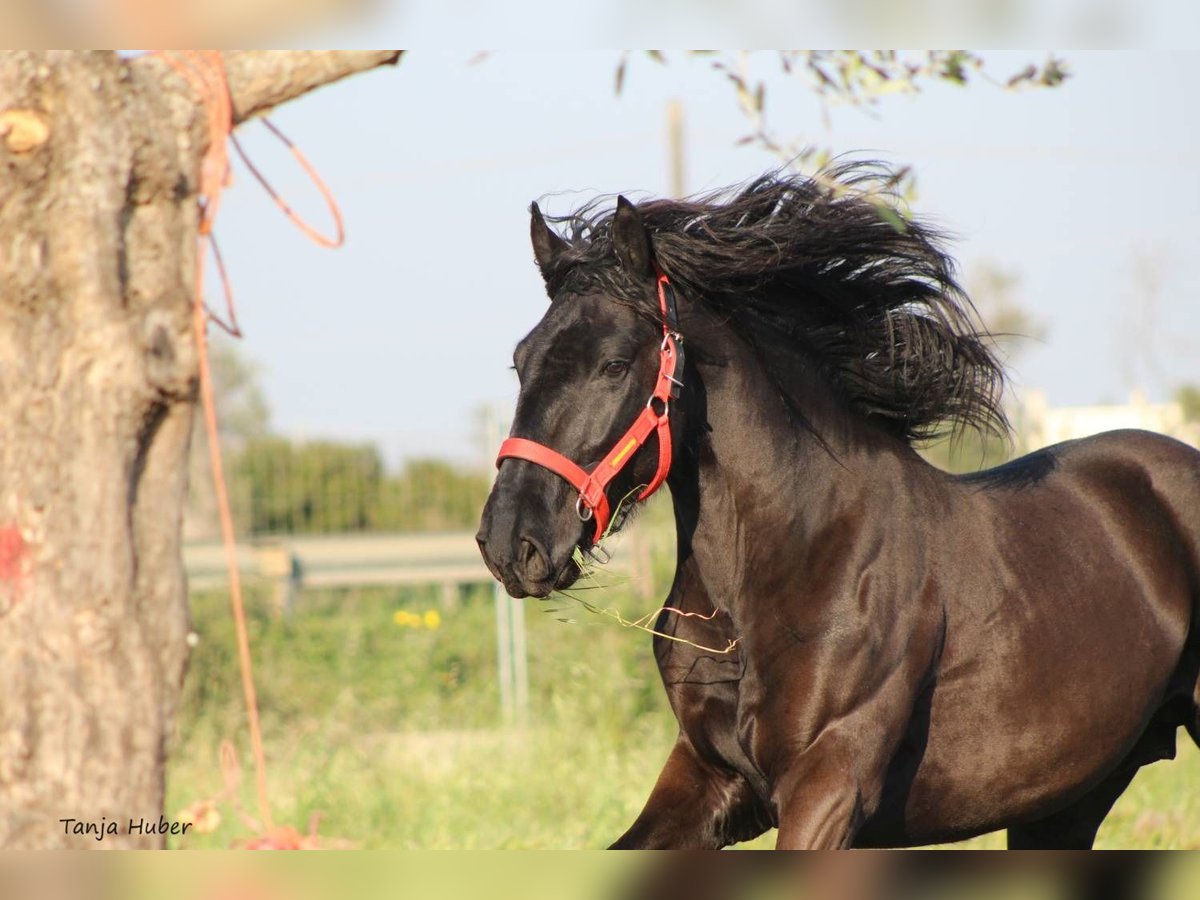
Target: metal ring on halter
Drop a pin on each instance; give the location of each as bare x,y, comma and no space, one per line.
666,406
580,509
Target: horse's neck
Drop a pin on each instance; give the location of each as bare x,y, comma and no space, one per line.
763,486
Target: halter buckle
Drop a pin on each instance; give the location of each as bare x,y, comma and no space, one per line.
599,555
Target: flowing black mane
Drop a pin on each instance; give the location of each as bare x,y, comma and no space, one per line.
828,266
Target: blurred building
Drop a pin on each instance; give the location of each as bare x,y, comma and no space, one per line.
1039,424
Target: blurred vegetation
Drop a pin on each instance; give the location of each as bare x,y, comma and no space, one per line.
1188,398
281,486
968,451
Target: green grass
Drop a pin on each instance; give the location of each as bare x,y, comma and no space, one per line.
393,733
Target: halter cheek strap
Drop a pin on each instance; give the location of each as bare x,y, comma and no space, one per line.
653,419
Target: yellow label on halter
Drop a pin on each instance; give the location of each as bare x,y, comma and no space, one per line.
629,446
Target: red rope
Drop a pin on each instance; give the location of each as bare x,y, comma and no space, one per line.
206,75
318,238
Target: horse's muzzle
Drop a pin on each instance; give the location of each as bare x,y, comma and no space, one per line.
522,550
524,573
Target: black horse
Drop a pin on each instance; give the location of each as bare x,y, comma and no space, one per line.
920,657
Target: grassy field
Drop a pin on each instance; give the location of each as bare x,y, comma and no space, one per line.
391,731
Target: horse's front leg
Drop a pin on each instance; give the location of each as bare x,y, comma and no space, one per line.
693,805
825,788
822,800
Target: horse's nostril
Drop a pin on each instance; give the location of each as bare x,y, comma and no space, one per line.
534,564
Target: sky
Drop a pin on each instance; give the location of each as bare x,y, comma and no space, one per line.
1089,194
764,23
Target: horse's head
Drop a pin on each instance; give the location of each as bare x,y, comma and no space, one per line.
589,370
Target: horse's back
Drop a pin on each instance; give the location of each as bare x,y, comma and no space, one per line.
1155,453
1171,464
1151,481
1141,487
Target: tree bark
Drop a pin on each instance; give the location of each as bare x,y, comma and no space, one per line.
99,162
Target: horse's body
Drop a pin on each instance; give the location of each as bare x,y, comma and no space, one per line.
920,657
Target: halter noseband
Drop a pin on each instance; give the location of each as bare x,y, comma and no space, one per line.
593,501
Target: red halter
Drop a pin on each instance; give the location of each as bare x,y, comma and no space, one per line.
593,501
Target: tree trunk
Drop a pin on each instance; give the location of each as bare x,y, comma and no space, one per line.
99,163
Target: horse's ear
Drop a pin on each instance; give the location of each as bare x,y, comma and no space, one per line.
547,246
631,241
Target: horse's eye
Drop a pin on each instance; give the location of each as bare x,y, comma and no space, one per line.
615,368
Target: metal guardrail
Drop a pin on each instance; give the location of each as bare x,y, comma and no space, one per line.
353,560
343,560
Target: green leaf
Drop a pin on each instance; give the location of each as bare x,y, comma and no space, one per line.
1054,73
892,217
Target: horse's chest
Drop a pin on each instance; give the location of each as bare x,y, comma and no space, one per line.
709,700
